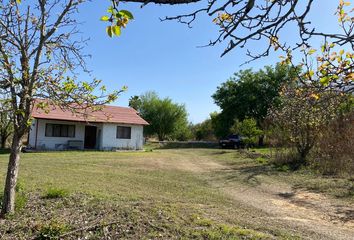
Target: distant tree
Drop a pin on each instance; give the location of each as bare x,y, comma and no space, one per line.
135,102
183,131
250,94
248,129
165,117
204,130
221,123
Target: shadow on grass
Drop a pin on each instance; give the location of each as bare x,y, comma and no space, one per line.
346,213
172,145
247,173
220,152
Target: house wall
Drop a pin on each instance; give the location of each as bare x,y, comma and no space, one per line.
55,143
106,136
109,139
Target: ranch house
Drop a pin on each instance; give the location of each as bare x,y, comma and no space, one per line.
111,128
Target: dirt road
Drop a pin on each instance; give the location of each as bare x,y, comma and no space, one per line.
310,215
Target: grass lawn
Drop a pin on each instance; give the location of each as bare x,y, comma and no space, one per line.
159,194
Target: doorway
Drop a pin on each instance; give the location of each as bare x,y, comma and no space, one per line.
90,137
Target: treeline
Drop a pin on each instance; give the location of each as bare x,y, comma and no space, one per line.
306,123
244,99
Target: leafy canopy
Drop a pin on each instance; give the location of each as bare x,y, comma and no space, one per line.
250,94
166,118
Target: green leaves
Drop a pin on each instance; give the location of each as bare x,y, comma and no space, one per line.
126,14
118,19
109,31
113,31
325,81
104,18
311,51
116,30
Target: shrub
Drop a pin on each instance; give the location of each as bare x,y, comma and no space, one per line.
21,197
249,129
334,151
297,122
52,230
20,201
52,193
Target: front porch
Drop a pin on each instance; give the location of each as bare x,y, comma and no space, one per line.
47,134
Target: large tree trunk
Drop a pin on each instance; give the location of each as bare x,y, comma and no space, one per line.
8,205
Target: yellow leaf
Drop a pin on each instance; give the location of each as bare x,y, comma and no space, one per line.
312,51
350,76
315,96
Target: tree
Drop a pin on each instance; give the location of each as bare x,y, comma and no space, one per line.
5,123
248,129
165,117
250,94
134,102
298,120
221,123
204,130
182,131
39,52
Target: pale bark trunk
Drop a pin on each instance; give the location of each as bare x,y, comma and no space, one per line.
8,205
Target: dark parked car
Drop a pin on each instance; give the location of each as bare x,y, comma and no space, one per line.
232,141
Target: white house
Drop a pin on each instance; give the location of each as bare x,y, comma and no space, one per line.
110,128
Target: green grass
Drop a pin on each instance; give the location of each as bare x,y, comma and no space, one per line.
159,192
53,193
154,180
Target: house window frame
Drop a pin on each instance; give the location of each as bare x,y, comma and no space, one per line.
124,137
61,130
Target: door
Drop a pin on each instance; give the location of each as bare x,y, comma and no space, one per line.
90,137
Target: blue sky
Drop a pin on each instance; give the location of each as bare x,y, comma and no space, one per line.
164,56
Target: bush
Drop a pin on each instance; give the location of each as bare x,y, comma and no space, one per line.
285,159
53,193
248,129
334,152
21,197
297,122
52,230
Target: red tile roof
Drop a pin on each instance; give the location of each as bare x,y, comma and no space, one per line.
108,114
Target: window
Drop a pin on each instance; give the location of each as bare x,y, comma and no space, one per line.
59,130
124,132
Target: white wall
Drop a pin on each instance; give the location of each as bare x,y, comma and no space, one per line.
105,141
109,139
54,143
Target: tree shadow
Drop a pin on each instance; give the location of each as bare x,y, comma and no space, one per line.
287,195
248,174
178,145
346,214
220,152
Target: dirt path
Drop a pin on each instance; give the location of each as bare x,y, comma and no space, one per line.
310,215
313,215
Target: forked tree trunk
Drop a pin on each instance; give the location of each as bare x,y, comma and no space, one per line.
8,204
